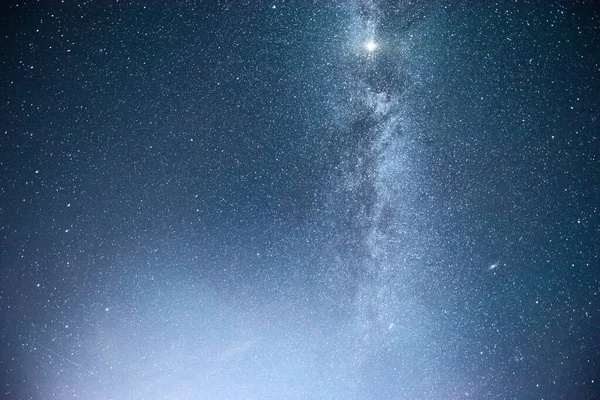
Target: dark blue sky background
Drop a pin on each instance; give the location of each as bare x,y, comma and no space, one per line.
239,200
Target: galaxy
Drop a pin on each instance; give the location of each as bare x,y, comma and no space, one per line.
350,199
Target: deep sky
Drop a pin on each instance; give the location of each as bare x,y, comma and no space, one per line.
242,200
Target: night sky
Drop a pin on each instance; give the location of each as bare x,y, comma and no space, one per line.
349,199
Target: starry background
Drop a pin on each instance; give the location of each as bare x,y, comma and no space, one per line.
236,199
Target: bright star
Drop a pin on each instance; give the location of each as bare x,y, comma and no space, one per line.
371,46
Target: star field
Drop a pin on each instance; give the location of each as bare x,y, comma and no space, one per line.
299,200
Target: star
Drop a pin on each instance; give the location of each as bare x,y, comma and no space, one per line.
371,46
